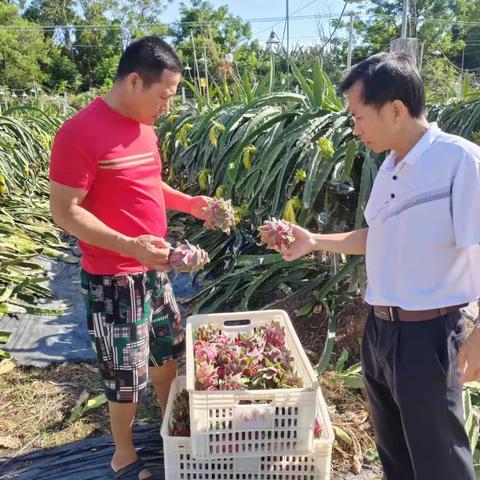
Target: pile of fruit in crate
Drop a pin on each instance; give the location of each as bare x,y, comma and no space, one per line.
257,361
246,362
179,425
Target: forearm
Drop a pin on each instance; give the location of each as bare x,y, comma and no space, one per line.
349,243
176,200
88,228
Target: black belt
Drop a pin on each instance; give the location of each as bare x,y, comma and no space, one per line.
395,314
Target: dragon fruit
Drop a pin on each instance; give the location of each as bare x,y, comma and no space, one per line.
207,376
220,215
276,234
260,360
205,352
179,425
317,429
188,258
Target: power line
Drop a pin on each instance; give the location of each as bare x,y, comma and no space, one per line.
152,24
336,26
284,18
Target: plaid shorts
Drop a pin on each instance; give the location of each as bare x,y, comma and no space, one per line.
133,322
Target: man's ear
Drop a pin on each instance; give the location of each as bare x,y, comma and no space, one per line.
399,110
133,81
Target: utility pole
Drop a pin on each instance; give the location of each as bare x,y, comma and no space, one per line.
420,62
206,71
196,62
350,43
460,86
405,44
288,44
404,19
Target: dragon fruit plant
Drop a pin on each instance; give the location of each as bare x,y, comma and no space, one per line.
179,425
220,215
276,234
188,258
257,361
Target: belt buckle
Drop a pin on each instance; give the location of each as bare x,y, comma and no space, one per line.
391,315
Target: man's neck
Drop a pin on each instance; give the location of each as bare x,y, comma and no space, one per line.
409,138
114,98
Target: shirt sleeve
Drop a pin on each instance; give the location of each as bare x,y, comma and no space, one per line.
72,161
466,202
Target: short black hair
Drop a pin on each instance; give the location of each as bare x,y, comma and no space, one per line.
149,57
386,77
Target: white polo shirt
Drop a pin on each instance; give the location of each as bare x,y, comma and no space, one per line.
424,226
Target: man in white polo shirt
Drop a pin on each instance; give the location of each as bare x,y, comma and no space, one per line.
423,265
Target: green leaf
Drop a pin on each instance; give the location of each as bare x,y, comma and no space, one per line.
342,359
304,84
349,158
4,354
318,83
307,309
4,336
329,343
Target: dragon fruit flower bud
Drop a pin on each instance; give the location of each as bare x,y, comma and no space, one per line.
276,234
220,215
188,258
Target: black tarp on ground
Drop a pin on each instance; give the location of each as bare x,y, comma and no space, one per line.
39,340
87,459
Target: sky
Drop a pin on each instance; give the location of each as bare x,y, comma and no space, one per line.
303,31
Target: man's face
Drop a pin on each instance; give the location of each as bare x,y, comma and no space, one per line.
376,127
149,103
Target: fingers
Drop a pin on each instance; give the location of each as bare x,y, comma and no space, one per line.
469,371
160,243
470,375
461,361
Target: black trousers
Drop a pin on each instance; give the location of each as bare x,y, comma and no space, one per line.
412,385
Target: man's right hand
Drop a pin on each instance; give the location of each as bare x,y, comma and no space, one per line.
150,251
303,244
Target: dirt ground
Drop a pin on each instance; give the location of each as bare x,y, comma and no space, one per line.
36,404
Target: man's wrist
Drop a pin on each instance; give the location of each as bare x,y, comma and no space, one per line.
317,240
125,245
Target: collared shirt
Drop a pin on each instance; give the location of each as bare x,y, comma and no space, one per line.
424,226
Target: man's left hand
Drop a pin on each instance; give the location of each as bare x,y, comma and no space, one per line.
198,206
468,362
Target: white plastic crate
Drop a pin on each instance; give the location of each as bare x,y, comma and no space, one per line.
251,423
181,465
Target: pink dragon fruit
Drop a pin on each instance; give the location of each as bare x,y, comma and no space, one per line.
220,215
274,335
232,382
276,234
206,376
205,352
188,258
317,429
179,423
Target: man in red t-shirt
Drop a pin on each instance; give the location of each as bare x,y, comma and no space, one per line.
107,190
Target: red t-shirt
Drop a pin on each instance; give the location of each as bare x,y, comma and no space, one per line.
115,159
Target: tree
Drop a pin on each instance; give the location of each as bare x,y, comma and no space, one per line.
23,49
216,32
437,24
